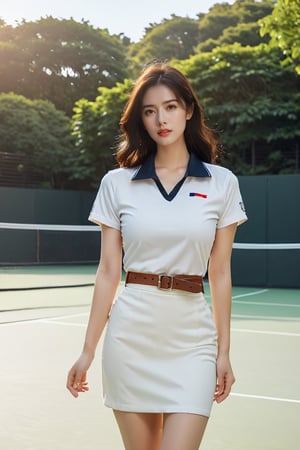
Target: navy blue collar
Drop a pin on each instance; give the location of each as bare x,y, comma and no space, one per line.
195,168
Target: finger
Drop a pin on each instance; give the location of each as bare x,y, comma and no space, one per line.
73,382
72,391
70,379
82,387
78,378
220,387
222,394
80,384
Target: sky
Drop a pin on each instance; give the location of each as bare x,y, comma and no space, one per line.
130,17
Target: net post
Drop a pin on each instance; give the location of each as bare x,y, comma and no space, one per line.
38,246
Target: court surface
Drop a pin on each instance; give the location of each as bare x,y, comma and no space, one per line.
41,334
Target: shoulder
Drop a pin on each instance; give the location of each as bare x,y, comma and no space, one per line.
222,179
117,176
219,172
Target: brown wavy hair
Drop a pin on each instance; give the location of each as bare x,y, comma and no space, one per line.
135,144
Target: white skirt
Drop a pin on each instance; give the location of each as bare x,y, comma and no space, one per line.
159,352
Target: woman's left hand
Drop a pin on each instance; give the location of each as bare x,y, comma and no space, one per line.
225,378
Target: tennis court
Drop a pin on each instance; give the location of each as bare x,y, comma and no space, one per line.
41,333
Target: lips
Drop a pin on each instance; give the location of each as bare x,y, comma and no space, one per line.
163,132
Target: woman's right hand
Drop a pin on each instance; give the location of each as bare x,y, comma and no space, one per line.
76,381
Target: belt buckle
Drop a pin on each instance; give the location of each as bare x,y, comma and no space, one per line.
159,283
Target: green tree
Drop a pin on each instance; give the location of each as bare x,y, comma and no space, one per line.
226,24
172,38
283,25
95,127
39,133
59,60
243,33
219,17
250,99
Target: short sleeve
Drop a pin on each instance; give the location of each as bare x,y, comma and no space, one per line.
105,210
233,210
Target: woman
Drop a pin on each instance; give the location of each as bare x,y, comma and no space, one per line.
166,213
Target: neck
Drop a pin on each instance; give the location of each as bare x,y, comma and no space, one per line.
171,158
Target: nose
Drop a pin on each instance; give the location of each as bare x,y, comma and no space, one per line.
161,118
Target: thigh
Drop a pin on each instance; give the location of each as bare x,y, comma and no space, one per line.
140,431
182,431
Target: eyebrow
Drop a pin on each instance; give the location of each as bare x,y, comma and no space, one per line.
167,101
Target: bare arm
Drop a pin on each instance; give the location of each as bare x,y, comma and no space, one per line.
220,286
107,280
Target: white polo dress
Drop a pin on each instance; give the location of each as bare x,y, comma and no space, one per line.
159,351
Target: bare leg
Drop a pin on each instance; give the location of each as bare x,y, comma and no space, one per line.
140,431
182,431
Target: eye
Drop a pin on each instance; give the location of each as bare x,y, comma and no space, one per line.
148,112
171,106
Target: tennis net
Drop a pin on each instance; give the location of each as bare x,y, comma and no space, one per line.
253,264
22,243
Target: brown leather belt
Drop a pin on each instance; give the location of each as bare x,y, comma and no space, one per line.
189,283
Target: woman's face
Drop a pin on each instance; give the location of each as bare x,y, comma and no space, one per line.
164,115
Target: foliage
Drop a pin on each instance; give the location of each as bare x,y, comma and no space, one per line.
36,129
172,38
283,25
219,17
244,34
227,24
247,85
248,97
59,60
95,126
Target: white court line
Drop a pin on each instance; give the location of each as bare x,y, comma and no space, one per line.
74,324
278,333
68,324
289,305
235,394
240,330
249,294
41,320
279,318
262,291
263,397
65,317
